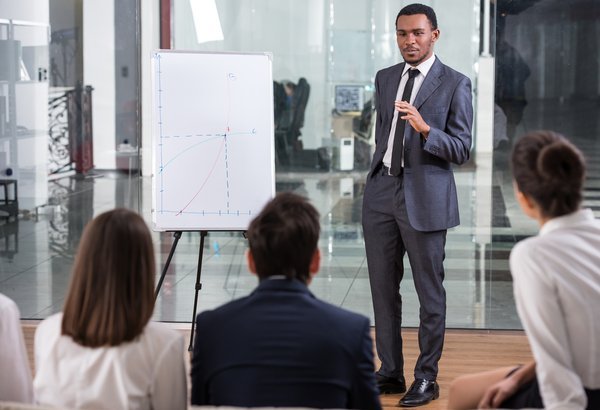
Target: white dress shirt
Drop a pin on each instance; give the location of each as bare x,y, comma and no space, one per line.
147,373
557,291
423,68
15,376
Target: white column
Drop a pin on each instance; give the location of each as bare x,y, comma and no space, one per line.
99,72
484,129
150,41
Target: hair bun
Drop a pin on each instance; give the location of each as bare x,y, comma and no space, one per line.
560,162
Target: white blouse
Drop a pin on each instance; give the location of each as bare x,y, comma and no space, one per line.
557,291
147,373
15,376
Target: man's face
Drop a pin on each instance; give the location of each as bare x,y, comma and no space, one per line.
415,38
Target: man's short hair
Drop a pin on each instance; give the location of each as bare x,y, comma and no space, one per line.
417,8
283,237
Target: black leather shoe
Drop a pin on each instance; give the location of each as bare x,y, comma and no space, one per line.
420,393
390,385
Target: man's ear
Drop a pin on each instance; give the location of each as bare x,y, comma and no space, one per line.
315,263
250,262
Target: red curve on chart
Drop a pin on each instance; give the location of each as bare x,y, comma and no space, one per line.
206,179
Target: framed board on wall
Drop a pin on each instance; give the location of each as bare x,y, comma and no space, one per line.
213,139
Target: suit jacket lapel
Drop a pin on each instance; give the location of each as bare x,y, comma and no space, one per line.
430,83
392,88
396,79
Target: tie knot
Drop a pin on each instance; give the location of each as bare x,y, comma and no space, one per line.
413,72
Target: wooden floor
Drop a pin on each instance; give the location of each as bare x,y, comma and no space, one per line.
465,351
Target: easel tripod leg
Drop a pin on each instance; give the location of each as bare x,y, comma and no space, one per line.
198,287
176,235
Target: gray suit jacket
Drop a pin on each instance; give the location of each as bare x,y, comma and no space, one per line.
445,103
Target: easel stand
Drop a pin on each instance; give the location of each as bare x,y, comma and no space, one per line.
177,235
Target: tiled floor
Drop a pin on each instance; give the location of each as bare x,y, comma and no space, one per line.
36,252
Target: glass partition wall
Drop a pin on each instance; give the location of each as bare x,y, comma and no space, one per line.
546,77
72,78
325,56
68,136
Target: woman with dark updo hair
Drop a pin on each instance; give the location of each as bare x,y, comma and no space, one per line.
556,277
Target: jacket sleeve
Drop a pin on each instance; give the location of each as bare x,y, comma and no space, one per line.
199,385
15,380
364,394
377,105
453,143
543,319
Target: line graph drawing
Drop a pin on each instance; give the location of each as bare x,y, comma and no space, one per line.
213,139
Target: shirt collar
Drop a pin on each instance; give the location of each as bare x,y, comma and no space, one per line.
569,220
286,285
423,68
275,277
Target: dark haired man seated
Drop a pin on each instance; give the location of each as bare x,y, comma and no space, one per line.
281,346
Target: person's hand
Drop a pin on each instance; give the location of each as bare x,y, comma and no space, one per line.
496,394
411,114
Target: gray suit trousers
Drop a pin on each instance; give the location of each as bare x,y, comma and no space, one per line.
388,236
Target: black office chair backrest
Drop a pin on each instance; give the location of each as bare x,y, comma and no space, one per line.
279,102
301,94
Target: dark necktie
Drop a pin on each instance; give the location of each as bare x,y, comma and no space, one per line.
396,167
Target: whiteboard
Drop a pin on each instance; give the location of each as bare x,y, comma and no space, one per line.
213,139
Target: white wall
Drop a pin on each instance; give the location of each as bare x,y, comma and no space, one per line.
99,72
27,10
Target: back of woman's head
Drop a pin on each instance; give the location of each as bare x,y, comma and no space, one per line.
550,170
111,295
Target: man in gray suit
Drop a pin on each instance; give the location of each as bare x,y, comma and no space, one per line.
424,121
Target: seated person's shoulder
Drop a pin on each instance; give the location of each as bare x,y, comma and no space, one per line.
50,326
5,301
338,315
162,333
528,249
8,306
229,308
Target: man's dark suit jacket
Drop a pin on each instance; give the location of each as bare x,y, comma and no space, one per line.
444,101
281,346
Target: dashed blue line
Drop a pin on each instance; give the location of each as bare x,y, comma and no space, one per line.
205,212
